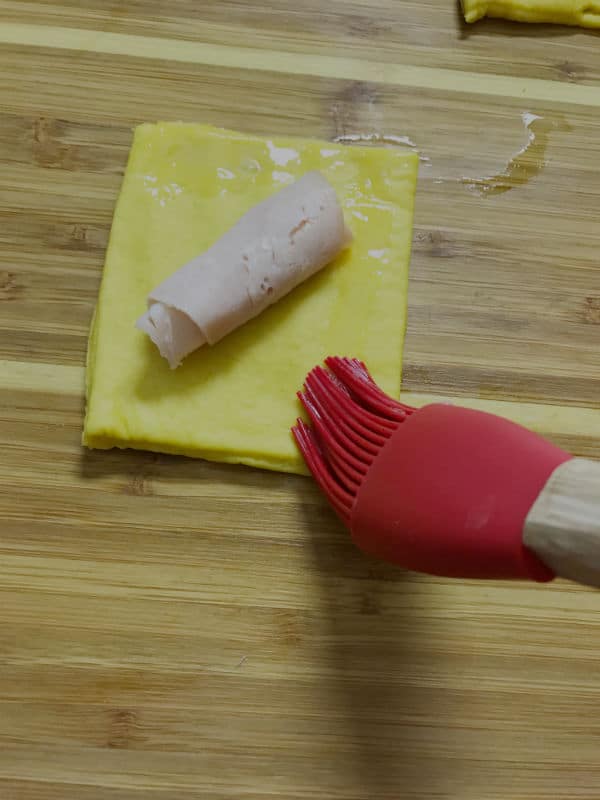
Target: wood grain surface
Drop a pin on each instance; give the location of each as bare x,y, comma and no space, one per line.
177,630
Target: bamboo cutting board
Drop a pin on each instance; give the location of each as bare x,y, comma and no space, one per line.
177,630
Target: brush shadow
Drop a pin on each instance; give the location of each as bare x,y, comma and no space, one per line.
367,605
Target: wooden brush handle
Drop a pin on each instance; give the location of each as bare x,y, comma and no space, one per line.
563,525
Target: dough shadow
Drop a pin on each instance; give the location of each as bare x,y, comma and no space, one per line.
141,470
361,602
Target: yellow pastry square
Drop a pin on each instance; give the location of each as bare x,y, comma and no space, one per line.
562,12
185,186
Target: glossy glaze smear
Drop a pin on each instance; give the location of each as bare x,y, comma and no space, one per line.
382,139
526,164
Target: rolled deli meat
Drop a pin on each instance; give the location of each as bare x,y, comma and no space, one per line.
274,247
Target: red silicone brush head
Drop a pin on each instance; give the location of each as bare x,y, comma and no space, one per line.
442,489
352,419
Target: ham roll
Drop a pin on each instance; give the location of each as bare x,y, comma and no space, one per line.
273,248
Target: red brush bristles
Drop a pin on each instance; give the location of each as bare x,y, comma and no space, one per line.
351,420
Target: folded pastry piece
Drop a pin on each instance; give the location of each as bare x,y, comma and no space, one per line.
585,13
185,187
273,248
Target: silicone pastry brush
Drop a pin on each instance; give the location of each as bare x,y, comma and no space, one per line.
448,490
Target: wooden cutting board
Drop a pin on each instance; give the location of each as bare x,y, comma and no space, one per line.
177,630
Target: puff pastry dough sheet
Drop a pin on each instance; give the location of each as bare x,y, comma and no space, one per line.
185,185
585,13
